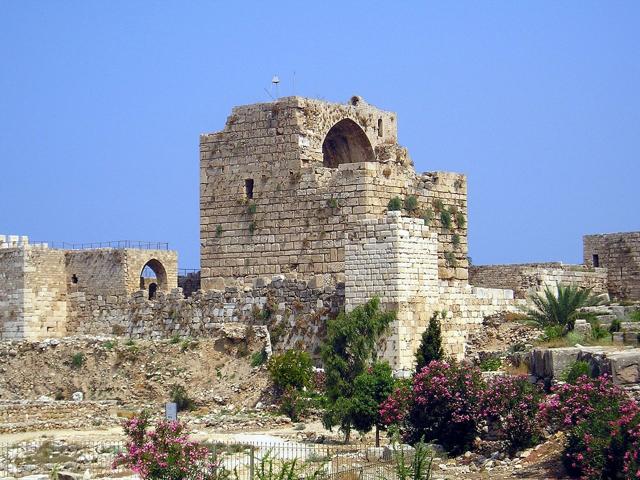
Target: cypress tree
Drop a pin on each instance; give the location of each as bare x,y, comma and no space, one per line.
431,344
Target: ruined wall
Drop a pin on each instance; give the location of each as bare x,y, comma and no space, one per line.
295,312
111,272
301,212
528,278
619,253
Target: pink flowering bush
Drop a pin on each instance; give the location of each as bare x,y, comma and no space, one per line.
164,453
395,408
445,405
602,428
510,405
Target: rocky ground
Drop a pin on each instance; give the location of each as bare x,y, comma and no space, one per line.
60,412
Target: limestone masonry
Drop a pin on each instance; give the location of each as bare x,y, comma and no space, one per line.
306,208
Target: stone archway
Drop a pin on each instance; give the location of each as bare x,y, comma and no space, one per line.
346,142
153,278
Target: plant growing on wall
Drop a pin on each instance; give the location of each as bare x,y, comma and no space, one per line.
252,227
438,205
394,204
431,344
411,203
219,231
332,203
445,218
460,220
450,259
252,208
427,216
455,240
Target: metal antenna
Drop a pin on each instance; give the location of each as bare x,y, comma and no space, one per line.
275,81
294,84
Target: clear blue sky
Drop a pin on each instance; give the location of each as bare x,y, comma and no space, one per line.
102,102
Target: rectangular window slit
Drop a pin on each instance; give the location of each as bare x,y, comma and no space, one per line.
248,187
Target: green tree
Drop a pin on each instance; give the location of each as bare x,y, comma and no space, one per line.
431,344
291,369
560,307
371,388
349,348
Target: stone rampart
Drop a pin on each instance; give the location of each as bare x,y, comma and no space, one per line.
528,278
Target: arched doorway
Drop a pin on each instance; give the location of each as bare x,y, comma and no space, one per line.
153,277
346,142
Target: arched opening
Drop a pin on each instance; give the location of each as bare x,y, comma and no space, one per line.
153,277
346,142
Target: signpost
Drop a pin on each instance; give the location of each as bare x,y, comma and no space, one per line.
171,411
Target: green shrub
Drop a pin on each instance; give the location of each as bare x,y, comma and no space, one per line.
445,219
219,231
291,369
411,203
597,331
175,339
252,208
332,203
438,205
576,370
394,204
252,227
77,360
450,259
552,332
109,344
455,239
258,358
415,466
427,216
634,316
490,364
293,403
178,395
616,326
460,220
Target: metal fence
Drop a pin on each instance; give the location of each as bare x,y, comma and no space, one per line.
244,460
140,244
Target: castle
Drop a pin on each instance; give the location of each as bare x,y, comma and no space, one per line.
306,207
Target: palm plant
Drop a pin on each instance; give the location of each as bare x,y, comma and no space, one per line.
560,306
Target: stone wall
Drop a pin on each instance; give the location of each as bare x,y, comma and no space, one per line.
11,292
271,204
619,253
295,312
37,283
395,258
33,293
528,278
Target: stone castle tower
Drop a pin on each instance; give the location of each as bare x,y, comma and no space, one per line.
284,184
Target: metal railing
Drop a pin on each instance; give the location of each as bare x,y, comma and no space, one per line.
183,272
244,459
117,244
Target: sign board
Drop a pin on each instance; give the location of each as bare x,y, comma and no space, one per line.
171,411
